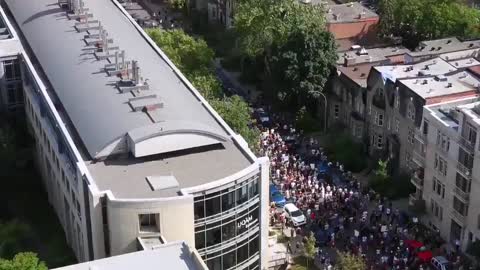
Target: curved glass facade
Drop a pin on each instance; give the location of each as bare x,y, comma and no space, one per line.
227,227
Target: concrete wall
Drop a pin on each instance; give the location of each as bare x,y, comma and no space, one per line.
175,221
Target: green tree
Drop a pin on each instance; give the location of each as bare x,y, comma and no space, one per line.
382,169
348,261
302,66
416,20
310,249
23,261
260,25
177,4
13,236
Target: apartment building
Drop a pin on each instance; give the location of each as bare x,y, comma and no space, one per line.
130,152
347,98
175,255
447,180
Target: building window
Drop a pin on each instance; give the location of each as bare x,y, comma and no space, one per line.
148,222
459,206
379,141
397,125
388,123
411,111
12,70
440,165
436,209
425,127
411,135
438,187
336,110
380,120
443,141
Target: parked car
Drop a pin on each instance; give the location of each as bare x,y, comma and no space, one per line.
294,215
440,263
276,196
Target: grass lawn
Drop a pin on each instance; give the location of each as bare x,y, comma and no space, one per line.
27,201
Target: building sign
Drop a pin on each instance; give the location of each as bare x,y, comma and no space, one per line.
245,222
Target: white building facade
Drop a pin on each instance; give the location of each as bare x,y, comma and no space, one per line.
171,170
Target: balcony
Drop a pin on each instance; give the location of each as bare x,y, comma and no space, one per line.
421,137
419,158
458,216
417,181
466,172
467,144
462,195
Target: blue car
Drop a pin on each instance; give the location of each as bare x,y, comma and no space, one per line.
276,196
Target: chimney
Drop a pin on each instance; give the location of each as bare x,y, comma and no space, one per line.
348,61
449,85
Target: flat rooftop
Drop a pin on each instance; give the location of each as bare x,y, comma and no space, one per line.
442,85
349,12
448,112
431,67
127,178
174,255
445,45
99,114
357,73
363,55
9,43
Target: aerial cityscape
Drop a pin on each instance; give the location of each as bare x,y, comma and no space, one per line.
239,134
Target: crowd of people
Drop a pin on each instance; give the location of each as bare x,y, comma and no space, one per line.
341,213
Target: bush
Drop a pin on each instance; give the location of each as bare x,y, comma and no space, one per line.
394,187
348,152
305,121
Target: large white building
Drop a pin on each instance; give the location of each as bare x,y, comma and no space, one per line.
448,181
129,151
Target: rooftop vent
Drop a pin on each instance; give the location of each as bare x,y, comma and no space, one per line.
362,75
362,51
355,69
449,85
429,91
162,182
439,48
425,82
440,78
336,16
355,47
471,45
449,41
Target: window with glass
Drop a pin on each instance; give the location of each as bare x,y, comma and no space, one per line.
213,204
148,222
12,69
411,111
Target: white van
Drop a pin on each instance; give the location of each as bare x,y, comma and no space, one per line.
294,214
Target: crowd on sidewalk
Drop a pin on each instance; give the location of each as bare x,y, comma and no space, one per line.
341,213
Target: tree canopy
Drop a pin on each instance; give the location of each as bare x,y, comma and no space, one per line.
23,261
348,261
195,59
302,66
259,25
416,20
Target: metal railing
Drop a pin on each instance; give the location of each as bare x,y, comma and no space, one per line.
462,195
464,170
458,216
466,144
418,158
417,181
421,137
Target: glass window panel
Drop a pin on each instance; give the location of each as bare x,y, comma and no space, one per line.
215,263
242,254
199,209
214,236
229,260
242,195
228,201
254,244
199,240
212,206
228,231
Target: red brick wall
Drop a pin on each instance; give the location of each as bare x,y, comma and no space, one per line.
357,29
451,97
